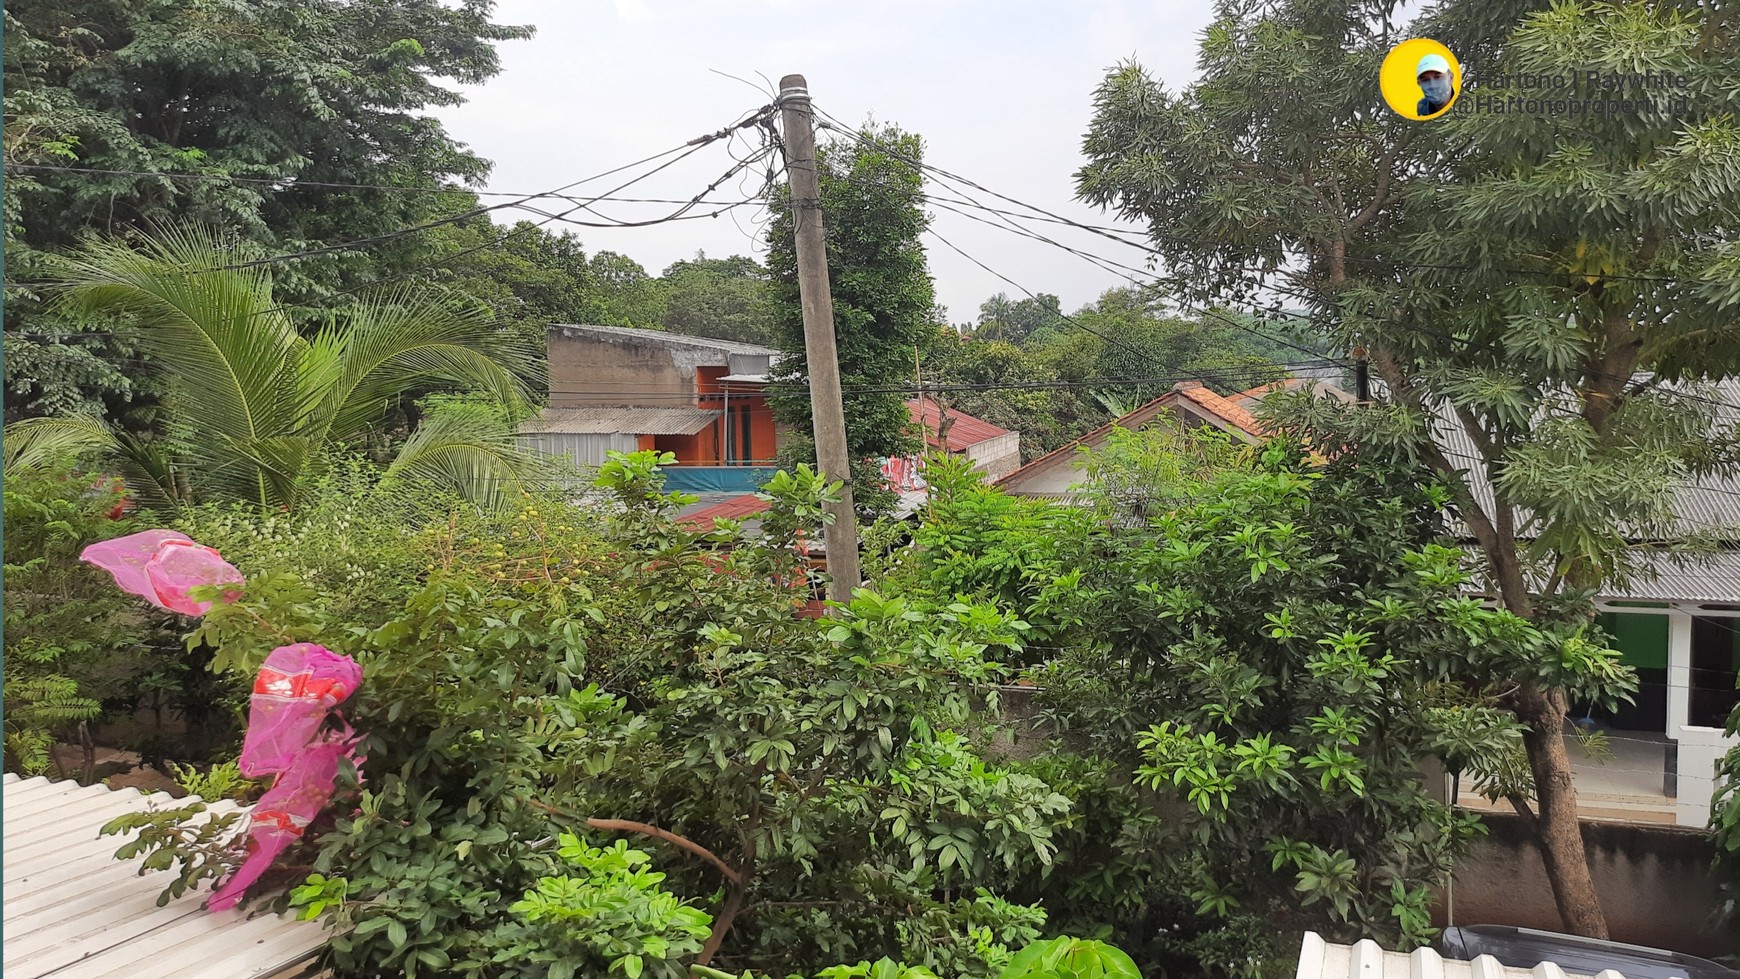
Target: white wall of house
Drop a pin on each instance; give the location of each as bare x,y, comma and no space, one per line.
580,450
1700,748
1696,748
997,456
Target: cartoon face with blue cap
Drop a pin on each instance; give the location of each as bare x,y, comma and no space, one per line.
1433,75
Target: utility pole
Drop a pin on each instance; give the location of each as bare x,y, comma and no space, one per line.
826,411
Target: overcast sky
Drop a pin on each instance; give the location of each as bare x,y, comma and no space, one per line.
1000,90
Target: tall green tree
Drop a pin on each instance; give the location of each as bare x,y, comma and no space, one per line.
722,298
873,213
1045,417
526,276
255,410
626,294
1001,318
257,100
1144,339
1533,279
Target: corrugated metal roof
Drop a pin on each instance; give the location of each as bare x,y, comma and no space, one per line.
1319,959
72,911
662,338
965,431
734,508
613,420
1712,579
1704,505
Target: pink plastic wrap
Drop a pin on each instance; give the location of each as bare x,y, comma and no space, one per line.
162,566
297,689
281,815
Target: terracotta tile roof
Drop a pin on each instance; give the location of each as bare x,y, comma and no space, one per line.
1205,399
1228,410
736,508
1135,419
1261,391
965,431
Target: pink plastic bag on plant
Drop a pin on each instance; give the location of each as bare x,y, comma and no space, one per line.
281,816
162,566
297,688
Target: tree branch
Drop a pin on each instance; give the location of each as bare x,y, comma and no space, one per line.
682,842
1381,196
647,829
1521,805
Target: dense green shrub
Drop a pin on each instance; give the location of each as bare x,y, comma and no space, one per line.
1246,657
76,648
813,787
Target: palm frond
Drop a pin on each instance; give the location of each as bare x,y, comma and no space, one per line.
393,345
469,457
271,472
35,442
226,348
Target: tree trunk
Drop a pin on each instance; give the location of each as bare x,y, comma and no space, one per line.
1558,833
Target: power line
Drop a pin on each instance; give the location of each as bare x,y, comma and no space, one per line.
1113,266
1111,234
693,146
1115,235
296,183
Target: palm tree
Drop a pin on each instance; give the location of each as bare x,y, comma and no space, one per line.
255,410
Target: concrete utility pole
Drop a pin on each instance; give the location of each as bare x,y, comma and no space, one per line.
824,365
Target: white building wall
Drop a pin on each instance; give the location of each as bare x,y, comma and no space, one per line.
997,456
1697,749
1700,749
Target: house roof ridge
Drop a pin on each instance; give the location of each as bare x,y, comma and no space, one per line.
1073,444
667,336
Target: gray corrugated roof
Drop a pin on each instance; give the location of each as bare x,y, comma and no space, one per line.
613,420
1701,578
1704,505
73,911
666,339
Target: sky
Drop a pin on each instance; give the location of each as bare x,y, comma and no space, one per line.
1000,90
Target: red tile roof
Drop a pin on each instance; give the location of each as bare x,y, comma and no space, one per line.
1216,405
1135,419
1264,390
1226,409
965,431
735,508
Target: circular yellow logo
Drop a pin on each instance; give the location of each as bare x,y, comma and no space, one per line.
1420,79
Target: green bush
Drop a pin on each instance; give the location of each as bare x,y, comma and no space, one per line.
75,644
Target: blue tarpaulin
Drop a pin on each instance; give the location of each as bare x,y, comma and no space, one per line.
717,479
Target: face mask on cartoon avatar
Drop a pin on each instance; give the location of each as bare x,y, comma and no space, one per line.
1436,89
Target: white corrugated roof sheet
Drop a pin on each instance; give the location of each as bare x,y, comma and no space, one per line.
1319,959
72,911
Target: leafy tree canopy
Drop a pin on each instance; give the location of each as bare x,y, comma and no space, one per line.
1534,277
257,100
873,213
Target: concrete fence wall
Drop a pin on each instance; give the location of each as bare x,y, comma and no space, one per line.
1654,881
